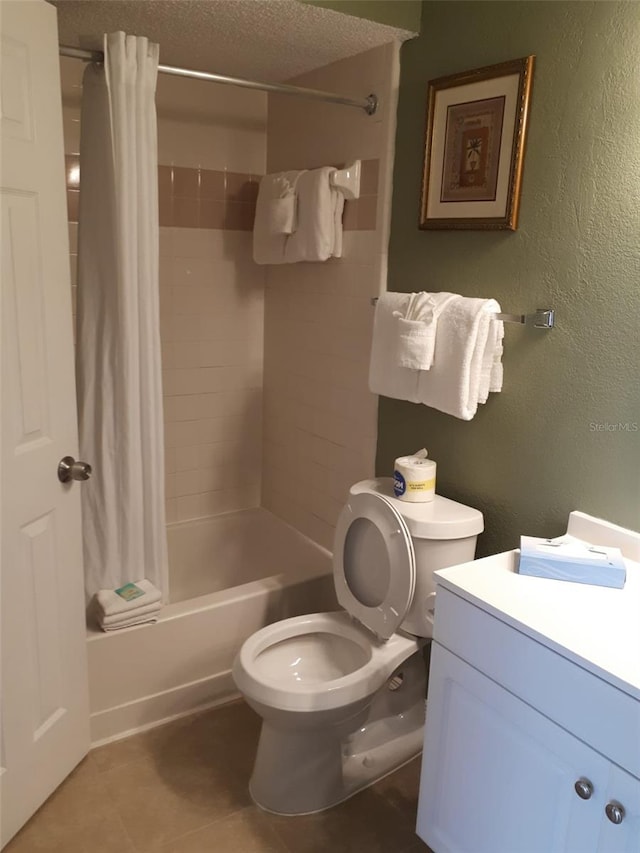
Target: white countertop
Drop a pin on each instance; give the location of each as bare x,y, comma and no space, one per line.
597,627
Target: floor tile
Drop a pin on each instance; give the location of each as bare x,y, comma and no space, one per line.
365,822
183,788
124,751
418,847
159,801
247,831
401,788
76,818
192,772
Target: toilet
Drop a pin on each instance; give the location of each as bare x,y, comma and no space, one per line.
342,695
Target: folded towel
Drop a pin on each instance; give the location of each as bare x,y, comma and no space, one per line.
272,218
417,329
318,235
386,377
129,623
491,378
338,210
137,614
110,603
466,359
282,215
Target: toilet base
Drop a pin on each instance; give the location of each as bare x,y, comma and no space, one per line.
296,774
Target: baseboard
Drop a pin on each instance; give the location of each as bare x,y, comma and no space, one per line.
155,710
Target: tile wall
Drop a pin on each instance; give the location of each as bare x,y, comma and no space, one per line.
320,420
212,150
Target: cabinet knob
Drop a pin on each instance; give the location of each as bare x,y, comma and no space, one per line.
583,788
614,811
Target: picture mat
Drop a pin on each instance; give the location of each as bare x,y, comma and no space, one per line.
480,91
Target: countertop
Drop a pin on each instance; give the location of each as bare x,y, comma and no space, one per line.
596,627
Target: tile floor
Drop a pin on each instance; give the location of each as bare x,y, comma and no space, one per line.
182,788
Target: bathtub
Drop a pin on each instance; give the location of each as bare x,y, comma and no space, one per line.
228,577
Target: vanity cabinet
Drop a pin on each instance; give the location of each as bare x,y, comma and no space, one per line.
528,748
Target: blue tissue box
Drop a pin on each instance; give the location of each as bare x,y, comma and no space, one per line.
571,559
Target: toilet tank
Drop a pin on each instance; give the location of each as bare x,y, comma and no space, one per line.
444,533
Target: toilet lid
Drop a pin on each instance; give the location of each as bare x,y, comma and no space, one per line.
374,567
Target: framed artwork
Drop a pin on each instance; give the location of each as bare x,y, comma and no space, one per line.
474,147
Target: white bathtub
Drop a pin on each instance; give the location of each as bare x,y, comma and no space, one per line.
229,576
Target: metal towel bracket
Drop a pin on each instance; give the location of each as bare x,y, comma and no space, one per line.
347,180
543,318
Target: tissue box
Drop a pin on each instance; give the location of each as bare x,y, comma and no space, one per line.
569,559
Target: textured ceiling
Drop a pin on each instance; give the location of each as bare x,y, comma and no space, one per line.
267,40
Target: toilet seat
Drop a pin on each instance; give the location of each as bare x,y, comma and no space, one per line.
272,685
374,566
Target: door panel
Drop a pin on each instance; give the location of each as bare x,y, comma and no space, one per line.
44,726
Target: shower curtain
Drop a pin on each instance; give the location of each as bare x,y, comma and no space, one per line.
118,332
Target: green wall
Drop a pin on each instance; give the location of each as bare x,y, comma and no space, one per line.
404,14
537,450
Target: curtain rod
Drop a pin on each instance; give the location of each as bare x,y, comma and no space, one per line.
368,104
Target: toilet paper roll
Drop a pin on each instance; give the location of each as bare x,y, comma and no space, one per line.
414,479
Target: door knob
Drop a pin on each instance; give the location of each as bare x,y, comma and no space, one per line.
583,788
614,811
69,469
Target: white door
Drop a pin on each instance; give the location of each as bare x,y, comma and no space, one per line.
45,718
498,776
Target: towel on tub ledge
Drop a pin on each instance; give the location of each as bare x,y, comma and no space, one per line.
131,604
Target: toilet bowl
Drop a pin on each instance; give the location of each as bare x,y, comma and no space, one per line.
342,695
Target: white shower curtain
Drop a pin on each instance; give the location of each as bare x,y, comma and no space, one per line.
118,340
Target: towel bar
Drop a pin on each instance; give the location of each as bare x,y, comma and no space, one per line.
542,318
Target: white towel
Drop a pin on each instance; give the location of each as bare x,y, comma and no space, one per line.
386,377
111,604
319,231
491,379
417,329
338,210
129,623
282,214
268,241
465,355
137,614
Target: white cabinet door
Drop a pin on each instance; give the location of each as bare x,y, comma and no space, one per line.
497,776
624,837
45,718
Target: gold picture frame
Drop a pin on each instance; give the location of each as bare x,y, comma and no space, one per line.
474,147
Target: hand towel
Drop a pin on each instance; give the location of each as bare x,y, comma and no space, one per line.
119,618
386,377
110,603
319,230
455,383
282,215
268,242
417,329
282,209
